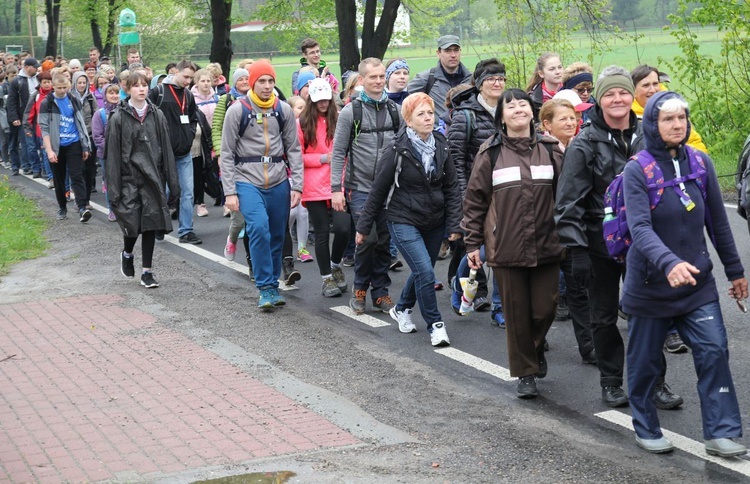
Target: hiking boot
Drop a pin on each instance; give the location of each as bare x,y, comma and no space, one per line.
266,298
664,398
190,238
438,335
384,304
330,289
126,265
230,249
62,214
674,343
85,215
276,298
614,397
357,301
290,275
339,278
304,256
403,318
347,261
148,281
527,387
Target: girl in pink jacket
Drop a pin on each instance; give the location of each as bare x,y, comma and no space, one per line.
315,129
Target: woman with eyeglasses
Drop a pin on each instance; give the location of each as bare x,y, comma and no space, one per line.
579,77
473,122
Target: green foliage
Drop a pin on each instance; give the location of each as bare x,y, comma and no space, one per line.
292,21
22,225
717,86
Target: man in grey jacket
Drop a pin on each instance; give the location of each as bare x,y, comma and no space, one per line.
365,131
258,141
449,72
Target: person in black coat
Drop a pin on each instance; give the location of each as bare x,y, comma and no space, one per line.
417,183
139,163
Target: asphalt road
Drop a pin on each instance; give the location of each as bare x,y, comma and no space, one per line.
464,414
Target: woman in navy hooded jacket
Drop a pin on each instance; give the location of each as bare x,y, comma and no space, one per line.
668,278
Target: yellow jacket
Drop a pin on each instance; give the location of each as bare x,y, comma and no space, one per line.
694,141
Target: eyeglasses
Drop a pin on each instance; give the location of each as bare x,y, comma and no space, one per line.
495,80
581,90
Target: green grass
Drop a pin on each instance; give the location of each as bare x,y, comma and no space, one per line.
22,226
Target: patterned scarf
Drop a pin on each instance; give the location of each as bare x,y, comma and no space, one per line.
425,148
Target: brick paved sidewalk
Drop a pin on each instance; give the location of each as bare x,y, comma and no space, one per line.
97,390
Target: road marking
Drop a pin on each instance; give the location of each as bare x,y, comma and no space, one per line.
362,318
683,443
477,363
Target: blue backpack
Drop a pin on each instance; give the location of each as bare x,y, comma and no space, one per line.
615,226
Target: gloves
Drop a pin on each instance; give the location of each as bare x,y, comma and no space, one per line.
580,266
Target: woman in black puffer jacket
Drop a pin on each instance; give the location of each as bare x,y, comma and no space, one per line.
473,122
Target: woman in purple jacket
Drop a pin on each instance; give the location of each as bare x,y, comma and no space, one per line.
111,94
668,277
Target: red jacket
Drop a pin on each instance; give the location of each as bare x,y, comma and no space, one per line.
317,184
34,111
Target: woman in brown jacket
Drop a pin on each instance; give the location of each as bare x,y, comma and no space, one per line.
509,207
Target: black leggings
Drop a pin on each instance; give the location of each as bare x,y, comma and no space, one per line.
320,216
148,239
198,180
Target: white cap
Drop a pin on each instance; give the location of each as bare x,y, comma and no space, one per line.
573,98
320,90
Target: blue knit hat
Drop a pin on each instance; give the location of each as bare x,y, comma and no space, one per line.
303,79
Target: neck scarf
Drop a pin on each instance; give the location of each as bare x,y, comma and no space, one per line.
483,103
262,104
367,99
236,94
425,148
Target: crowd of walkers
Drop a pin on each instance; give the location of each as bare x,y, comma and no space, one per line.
510,184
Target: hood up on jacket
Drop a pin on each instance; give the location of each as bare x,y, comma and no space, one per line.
86,92
654,142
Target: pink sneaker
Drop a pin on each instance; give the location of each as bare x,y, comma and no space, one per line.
112,217
304,256
230,249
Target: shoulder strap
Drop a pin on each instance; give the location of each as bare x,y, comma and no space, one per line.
469,115
103,115
160,98
430,81
399,158
393,110
248,113
356,120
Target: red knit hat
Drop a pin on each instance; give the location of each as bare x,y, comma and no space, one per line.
259,68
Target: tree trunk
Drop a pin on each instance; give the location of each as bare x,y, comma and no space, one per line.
17,21
346,15
221,42
377,44
52,12
111,20
96,35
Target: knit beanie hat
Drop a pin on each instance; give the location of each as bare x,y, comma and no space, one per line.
303,79
260,68
238,74
74,64
604,84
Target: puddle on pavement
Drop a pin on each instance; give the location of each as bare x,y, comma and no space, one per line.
279,477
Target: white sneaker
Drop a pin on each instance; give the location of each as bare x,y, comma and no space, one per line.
438,336
202,211
405,324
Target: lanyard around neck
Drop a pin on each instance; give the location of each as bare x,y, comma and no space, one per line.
180,102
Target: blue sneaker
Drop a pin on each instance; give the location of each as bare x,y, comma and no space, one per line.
276,298
498,318
266,300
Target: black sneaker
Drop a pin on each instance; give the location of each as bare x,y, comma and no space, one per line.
348,261
37,174
85,215
395,264
614,397
190,238
481,304
126,265
674,343
159,235
62,214
542,365
28,171
527,387
14,173
148,281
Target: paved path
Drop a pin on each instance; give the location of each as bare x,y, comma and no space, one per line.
92,390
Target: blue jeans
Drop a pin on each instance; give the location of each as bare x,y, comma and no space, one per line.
703,330
32,154
17,148
463,271
185,176
420,250
373,256
266,212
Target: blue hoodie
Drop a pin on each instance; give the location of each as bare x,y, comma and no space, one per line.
669,234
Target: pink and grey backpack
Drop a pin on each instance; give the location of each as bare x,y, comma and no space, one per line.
616,232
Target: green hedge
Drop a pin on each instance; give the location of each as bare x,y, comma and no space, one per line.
39,44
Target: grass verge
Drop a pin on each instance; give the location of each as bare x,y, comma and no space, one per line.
22,226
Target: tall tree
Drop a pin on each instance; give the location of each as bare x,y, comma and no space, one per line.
221,42
52,12
17,21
